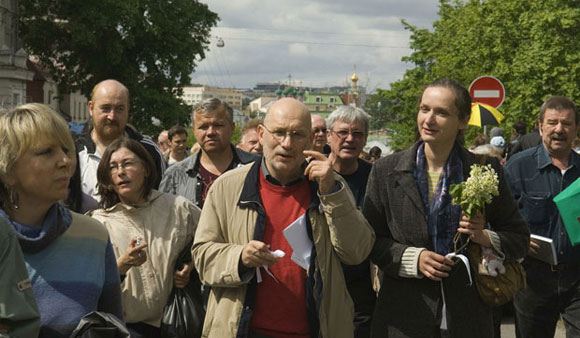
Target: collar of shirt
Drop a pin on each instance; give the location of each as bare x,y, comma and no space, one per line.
273,180
148,201
544,159
195,163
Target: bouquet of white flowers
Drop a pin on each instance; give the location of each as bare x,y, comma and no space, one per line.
477,191
472,195
496,282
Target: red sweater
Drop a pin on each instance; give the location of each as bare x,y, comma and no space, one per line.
280,309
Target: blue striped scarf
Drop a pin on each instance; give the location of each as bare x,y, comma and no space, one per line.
33,240
442,217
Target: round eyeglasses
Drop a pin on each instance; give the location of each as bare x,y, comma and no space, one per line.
281,134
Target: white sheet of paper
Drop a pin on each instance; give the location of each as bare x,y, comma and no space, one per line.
297,237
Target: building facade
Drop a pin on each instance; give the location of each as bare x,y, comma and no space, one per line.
13,71
43,89
192,95
76,106
260,105
23,79
322,103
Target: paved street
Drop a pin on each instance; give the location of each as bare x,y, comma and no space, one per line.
508,330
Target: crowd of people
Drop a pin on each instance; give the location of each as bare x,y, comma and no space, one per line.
293,232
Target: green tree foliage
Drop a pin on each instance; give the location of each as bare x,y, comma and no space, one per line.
531,46
151,46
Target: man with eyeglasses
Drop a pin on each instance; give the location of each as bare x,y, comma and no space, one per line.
347,135
213,124
263,285
319,133
109,110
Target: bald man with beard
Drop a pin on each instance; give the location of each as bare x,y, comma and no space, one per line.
109,109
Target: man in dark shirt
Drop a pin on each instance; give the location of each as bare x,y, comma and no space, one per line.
536,176
347,135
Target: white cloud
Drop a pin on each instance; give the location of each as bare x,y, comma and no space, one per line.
318,42
298,49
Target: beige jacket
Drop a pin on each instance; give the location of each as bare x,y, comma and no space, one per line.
166,223
340,233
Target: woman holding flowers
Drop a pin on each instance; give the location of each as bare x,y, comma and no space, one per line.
408,203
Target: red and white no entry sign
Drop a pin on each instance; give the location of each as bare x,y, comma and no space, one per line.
488,90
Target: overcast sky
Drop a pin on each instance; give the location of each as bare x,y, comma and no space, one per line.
317,42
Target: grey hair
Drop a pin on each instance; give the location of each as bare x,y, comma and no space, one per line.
213,105
348,114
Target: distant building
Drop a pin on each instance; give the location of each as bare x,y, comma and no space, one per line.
75,105
268,87
192,95
340,89
23,79
239,117
13,71
355,95
43,89
322,103
260,104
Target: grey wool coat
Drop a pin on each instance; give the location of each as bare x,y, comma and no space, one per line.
411,307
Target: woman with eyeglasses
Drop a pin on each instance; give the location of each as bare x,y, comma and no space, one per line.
68,256
148,229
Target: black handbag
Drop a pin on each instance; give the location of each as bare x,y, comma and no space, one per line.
184,313
100,325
